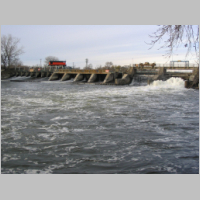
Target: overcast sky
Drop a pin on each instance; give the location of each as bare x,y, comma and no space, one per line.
120,44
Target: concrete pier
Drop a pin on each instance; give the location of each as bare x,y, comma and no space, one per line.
22,73
79,77
48,74
92,78
32,74
193,80
43,74
126,79
53,77
37,74
27,74
17,73
161,74
66,77
109,78
132,72
112,76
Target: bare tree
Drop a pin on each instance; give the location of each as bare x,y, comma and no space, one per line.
17,63
108,64
89,66
10,51
50,58
176,35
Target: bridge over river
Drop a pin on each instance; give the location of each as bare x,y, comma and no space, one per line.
115,77
189,74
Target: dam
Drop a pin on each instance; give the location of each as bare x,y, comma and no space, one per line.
190,75
111,76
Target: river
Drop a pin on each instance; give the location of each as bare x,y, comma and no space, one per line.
64,128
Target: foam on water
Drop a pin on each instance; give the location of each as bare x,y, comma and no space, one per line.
58,118
60,128
57,81
170,83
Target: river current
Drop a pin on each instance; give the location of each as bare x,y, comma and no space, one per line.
61,127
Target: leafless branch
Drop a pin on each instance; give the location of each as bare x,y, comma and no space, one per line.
176,35
10,51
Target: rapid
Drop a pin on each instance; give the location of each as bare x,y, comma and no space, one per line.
61,127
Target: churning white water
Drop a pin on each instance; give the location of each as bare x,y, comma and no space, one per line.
170,83
61,127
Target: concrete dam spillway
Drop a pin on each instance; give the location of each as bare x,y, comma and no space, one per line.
112,77
191,78
92,76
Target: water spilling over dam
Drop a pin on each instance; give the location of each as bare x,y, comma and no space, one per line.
113,76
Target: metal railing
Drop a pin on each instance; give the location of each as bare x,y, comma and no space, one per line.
89,71
165,65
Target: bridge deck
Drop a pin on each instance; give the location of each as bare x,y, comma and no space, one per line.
102,71
77,71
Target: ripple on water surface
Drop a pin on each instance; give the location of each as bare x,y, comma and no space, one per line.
67,128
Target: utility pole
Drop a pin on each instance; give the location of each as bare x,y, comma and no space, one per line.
86,60
40,62
172,55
